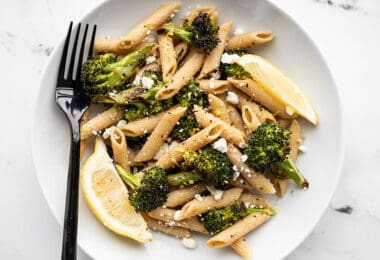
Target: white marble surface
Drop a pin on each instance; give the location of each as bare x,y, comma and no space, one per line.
348,34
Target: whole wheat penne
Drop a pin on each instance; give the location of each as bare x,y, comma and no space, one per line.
119,148
159,134
183,76
237,230
196,207
212,60
257,180
195,142
218,108
240,182
255,201
235,117
285,123
167,216
214,86
242,247
230,133
246,40
295,141
254,91
84,120
167,56
144,125
181,50
170,230
181,196
153,22
251,121
101,121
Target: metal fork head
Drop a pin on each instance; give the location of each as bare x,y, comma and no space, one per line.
69,94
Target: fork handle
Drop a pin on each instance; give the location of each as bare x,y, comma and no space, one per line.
70,226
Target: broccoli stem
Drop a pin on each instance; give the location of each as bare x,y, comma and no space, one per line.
183,178
177,32
131,180
270,212
290,171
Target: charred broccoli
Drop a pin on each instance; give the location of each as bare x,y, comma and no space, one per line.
200,33
186,127
148,193
213,166
234,69
218,219
268,150
104,73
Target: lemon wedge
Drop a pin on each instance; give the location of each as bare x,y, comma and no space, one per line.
107,196
277,84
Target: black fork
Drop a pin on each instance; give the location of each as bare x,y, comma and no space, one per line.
71,99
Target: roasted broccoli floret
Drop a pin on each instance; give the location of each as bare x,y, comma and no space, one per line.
186,127
234,69
104,73
137,142
191,95
268,150
183,178
148,193
217,220
200,33
213,166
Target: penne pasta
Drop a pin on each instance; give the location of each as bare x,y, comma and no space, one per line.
257,180
159,134
242,247
181,196
231,134
195,142
168,217
214,86
138,33
285,123
240,182
167,56
254,91
236,119
255,201
250,119
212,60
143,126
218,108
247,40
196,207
170,230
181,50
119,148
101,121
183,76
237,230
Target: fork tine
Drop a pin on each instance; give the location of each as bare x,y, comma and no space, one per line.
73,53
81,52
62,65
91,49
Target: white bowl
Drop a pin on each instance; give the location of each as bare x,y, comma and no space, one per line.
298,212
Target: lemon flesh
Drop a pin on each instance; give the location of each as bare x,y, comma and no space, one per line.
277,84
107,196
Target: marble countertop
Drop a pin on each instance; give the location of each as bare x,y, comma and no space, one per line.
346,31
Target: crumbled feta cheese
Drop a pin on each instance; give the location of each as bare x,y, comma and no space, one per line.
177,215
121,123
173,144
247,204
189,243
95,132
215,75
238,31
235,176
150,59
244,158
290,111
147,82
302,148
235,168
246,170
217,194
229,58
198,197
164,148
107,133
212,83
232,97
164,206
137,81
171,223
220,145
